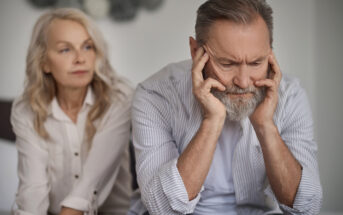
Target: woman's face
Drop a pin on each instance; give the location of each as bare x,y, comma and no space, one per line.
70,56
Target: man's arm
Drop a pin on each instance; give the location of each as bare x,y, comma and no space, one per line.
170,182
283,170
194,163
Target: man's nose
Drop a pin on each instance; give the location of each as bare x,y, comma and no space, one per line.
242,77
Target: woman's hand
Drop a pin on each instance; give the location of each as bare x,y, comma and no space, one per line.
70,211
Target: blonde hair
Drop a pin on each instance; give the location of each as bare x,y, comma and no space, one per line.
40,87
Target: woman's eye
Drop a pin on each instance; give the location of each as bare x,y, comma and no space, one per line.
65,50
89,47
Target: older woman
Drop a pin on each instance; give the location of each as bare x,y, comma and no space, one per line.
72,122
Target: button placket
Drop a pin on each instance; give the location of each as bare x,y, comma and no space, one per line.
74,142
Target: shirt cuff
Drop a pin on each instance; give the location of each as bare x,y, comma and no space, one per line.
175,190
77,203
309,195
20,212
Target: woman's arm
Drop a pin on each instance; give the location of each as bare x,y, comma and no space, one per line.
32,196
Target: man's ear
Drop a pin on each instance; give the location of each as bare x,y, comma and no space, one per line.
193,46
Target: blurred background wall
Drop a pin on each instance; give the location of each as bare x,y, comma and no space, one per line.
308,44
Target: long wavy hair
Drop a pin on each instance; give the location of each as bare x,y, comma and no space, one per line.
40,87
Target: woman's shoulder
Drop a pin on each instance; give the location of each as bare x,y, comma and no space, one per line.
125,88
123,93
121,98
21,110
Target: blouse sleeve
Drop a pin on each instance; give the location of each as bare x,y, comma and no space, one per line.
32,196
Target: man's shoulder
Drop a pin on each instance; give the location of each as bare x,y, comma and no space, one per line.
173,73
291,95
289,85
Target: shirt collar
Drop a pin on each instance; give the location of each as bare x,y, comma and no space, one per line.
55,110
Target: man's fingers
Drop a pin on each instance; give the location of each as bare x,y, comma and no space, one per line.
198,66
269,83
198,54
212,83
276,76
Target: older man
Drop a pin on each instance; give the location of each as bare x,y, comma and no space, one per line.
225,133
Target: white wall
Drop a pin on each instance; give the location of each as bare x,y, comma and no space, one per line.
329,88
307,42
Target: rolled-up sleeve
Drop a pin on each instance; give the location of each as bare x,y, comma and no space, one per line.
297,133
33,191
102,165
162,188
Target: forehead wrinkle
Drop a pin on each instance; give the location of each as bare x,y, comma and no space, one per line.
251,49
212,51
231,58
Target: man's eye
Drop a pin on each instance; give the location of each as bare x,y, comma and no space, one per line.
227,64
255,63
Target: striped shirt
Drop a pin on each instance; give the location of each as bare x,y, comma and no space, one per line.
165,117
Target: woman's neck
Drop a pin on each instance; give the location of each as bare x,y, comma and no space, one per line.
71,100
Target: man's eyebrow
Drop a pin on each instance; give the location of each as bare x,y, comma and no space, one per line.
225,59
260,58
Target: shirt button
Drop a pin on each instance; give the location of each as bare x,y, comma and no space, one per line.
76,154
95,192
76,176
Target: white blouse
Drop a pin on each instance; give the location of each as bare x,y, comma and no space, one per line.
61,171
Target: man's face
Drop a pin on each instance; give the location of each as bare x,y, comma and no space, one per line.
238,57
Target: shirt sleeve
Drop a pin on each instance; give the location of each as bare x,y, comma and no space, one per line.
297,133
102,165
33,190
162,188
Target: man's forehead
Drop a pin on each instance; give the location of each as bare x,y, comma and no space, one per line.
236,41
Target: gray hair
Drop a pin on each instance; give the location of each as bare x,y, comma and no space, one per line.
238,11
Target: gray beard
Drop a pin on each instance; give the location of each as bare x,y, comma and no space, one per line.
240,108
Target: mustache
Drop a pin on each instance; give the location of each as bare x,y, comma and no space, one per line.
237,90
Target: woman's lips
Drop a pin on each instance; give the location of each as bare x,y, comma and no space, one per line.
79,72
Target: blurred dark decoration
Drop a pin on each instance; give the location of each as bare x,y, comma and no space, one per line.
118,10
5,124
43,3
123,10
151,4
70,3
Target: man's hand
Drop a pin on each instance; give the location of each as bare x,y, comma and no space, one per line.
212,107
195,161
70,211
263,114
